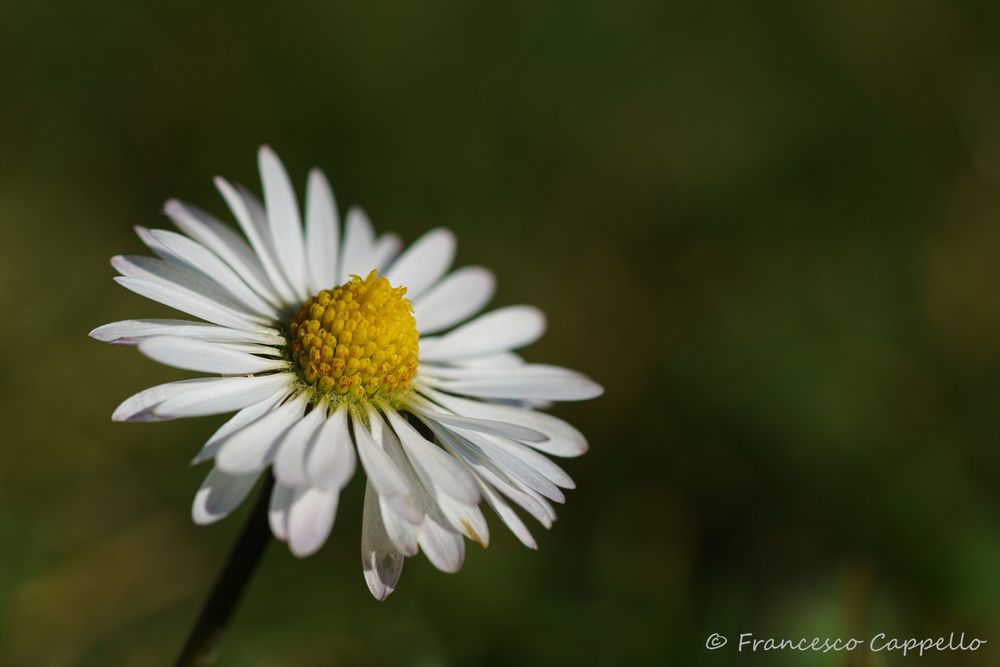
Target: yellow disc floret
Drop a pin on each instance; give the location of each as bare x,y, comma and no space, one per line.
356,341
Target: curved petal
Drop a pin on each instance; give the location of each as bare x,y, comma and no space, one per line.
252,447
466,519
131,332
528,382
487,471
219,495
242,418
500,428
444,548
284,221
483,448
497,360
182,277
253,221
225,243
387,479
384,251
290,459
404,535
532,458
359,241
508,516
497,331
456,298
206,357
310,520
440,467
423,263
381,562
192,254
563,438
221,395
277,511
191,303
331,462
322,232
139,407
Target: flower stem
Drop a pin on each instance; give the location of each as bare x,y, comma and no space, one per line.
202,644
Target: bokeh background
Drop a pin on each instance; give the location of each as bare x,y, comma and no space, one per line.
772,231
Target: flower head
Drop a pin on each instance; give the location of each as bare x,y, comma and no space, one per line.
331,348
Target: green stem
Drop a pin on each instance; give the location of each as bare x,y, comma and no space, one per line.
202,644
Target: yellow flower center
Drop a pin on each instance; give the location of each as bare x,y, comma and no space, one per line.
356,341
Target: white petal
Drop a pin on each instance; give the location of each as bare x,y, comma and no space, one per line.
504,429
563,438
456,298
252,447
543,464
249,348
322,232
359,241
219,495
199,258
497,360
253,221
331,461
181,277
528,501
528,382
381,562
542,502
444,548
277,511
403,520
384,251
221,395
535,460
508,516
225,243
245,416
205,356
444,471
467,519
130,332
139,407
497,331
485,448
487,470
284,220
310,520
404,535
191,303
423,263
383,473
442,518
290,459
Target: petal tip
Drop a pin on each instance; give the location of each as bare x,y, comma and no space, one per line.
98,333
267,157
202,518
121,415
302,551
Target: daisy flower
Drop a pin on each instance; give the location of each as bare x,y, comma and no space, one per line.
332,348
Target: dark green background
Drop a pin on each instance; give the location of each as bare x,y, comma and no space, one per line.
772,232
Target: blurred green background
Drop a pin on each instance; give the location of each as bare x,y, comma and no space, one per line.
771,231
